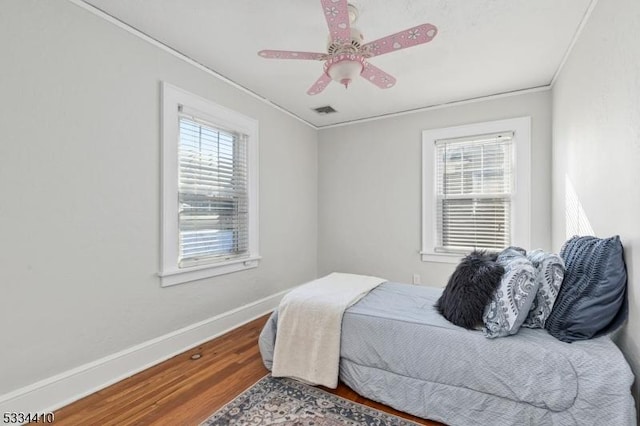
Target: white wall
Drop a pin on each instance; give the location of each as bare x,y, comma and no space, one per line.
80,185
596,141
369,187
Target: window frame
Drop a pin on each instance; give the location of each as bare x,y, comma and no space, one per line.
520,209
172,97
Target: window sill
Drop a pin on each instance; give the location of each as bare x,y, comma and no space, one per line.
452,258
179,276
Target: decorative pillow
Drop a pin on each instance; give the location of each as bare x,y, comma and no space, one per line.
593,298
512,300
549,275
469,289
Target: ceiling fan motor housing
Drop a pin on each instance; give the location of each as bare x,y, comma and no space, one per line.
354,43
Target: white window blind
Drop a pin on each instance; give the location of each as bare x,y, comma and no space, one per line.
213,193
474,185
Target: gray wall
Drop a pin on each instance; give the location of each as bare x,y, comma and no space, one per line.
369,187
596,134
79,178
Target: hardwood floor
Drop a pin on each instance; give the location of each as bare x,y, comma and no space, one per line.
185,391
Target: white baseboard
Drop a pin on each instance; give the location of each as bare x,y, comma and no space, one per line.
64,388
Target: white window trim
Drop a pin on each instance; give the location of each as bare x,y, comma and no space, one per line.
172,97
521,211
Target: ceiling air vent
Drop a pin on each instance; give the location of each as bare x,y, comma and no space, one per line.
324,110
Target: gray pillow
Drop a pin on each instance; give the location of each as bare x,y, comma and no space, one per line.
549,275
593,298
512,300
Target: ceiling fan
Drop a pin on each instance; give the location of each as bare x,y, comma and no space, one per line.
346,56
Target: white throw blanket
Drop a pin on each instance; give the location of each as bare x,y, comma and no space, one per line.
309,326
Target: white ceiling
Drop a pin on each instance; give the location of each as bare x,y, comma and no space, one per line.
483,47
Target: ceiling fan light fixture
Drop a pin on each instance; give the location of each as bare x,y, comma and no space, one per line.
345,68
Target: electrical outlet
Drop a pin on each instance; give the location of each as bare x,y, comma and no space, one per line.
417,279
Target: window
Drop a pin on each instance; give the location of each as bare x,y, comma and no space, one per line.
209,188
470,197
473,193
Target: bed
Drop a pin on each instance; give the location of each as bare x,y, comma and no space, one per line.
398,350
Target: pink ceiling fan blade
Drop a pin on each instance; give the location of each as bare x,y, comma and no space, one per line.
407,38
378,77
319,85
289,54
336,13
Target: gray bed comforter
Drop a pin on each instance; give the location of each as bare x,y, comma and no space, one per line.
396,349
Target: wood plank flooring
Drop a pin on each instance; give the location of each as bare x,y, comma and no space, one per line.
185,391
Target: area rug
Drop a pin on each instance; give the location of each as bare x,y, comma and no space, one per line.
281,401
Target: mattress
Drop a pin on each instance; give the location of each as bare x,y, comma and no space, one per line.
396,349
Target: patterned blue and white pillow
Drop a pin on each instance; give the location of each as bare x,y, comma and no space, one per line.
549,275
512,300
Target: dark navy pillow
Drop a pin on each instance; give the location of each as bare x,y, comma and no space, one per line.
593,299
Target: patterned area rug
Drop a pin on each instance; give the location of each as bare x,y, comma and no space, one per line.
288,402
